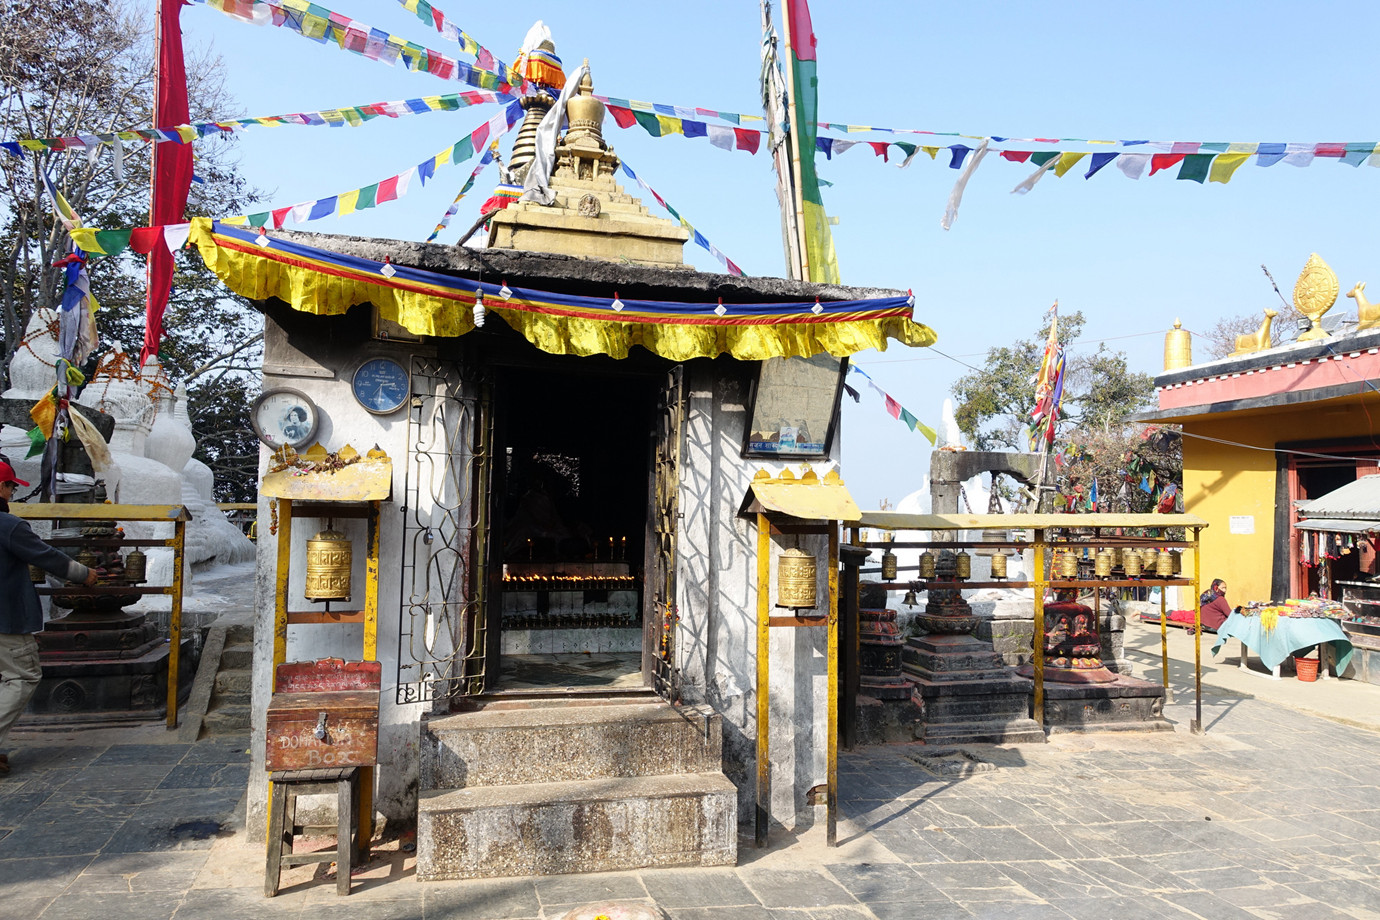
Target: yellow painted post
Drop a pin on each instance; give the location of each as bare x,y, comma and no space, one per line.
1037,634
280,620
371,587
1197,726
1164,642
832,838
175,622
370,653
763,655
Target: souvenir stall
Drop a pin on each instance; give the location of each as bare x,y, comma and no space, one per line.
1338,534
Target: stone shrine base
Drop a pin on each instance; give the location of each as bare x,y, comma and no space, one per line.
1127,704
966,693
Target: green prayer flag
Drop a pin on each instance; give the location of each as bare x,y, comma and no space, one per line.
1195,167
113,242
367,196
36,442
648,121
1043,157
463,149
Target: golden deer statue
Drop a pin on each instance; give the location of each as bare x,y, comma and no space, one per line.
1367,313
1256,341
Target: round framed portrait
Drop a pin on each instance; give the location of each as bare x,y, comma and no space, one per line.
284,416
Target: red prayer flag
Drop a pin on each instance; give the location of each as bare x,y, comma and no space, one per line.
747,140
1330,150
624,116
892,407
143,239
388,190
801,31
172,169
1164,161
1016,156
279,217
879,148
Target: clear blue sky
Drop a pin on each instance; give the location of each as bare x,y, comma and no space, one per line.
1132,255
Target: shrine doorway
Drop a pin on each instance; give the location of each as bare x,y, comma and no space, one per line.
571,538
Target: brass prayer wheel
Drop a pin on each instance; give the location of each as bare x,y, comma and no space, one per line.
1164,565
1068,564
1178,348
1149,559
999,565
1116,556
795,579
927,564
1178,562
888,565
963,565
1130,560
1103,563
329,558
136,567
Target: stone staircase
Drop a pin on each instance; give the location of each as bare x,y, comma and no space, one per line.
573,785
229,705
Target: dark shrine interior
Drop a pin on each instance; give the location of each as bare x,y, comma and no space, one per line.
574,456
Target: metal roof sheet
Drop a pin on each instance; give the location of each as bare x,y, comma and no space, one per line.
1359,499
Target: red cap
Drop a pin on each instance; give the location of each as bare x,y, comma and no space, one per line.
7,474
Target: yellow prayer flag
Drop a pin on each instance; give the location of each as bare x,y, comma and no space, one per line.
932,151
670,125
1243,148
1066,162
346,203
44,414
235,221
186,132
85,238
1225,165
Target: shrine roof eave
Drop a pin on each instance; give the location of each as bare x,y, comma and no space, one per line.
550,270
1257,405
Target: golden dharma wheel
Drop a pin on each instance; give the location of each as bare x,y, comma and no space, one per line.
136,567
329,560
1103,563
795,579
927,564
1164,565
963,565
1130,561
888,566
1068,564
999,565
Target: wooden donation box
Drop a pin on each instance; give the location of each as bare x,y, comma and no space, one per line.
324,714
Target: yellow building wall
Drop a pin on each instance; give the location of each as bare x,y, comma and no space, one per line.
1222,481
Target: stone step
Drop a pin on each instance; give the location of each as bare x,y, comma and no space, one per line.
238,656
239,634
592,825
225,720
495,747
233,683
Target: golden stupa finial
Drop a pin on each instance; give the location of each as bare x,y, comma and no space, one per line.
1314,294
586,115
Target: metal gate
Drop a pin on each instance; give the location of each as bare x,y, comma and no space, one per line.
663,618
444,583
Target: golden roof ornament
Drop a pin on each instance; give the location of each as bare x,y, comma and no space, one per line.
1178,348
1367,313
1314,294
1255,341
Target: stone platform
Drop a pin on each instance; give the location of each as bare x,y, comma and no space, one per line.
966,692
1127,704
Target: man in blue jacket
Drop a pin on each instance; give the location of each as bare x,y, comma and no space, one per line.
20,614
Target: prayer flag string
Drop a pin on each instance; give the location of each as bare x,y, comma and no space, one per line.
893,407
694,234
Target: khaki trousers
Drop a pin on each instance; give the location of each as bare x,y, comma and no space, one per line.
19,676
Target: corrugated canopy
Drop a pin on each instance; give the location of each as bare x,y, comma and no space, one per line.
808,498
425,302
366,479
1359,499
1339,525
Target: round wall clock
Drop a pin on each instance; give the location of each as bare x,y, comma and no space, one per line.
381,385
284,416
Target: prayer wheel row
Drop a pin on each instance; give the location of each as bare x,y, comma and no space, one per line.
1134,562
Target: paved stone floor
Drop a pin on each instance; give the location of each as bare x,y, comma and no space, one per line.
1272,813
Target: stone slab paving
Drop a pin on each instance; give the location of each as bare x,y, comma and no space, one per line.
1272,814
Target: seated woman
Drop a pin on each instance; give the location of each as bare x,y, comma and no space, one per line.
1213,608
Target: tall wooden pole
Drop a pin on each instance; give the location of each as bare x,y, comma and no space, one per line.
781,147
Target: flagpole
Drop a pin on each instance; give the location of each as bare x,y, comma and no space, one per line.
780,144
793,113
153,169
